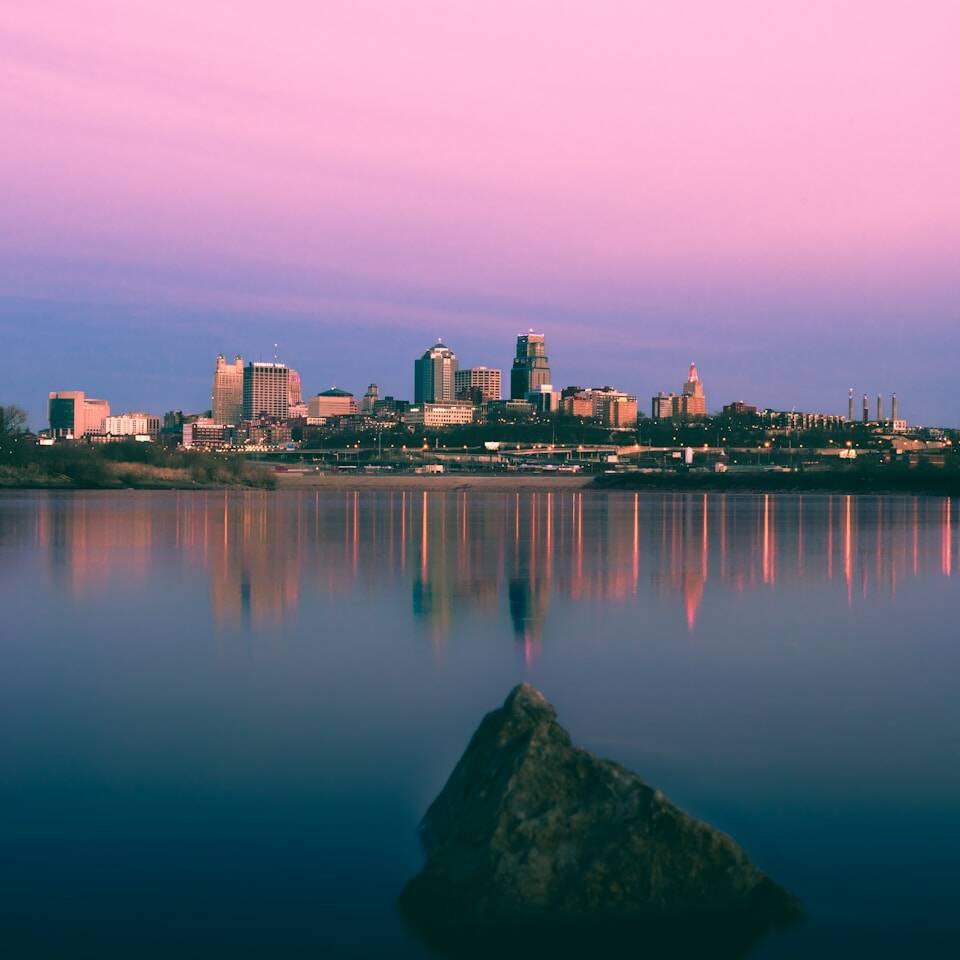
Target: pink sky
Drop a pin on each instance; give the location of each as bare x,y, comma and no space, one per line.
580,154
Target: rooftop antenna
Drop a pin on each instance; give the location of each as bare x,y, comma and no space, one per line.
276,355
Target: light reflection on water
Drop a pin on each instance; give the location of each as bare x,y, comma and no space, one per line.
461,549
783,665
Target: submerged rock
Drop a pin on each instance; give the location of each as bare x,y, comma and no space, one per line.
533,834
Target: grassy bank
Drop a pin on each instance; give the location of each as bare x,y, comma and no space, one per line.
120,465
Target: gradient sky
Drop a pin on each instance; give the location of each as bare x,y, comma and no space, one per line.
770,189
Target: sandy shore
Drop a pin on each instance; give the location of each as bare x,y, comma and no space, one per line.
495,484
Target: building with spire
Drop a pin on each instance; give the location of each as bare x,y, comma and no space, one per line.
531,366
694,403
689,404
434,375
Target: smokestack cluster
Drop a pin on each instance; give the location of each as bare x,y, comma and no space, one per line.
865,412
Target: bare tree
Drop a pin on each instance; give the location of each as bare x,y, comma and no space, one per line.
13,420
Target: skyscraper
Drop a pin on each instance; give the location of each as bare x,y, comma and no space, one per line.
434,375
227,402
294,389
694,403
266,390
531,367
370,399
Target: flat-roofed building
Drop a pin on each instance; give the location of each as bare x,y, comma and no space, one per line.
478,384
266,390
227,398
434,415
72,414
130,425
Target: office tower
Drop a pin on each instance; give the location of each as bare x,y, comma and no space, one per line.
531,367
370,399
482,383
866,409
227,401
72,414
850,406
266,390
434,375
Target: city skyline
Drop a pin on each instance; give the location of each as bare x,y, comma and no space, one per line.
766,190
438,377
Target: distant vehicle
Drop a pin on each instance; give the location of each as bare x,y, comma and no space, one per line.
491,445
570,468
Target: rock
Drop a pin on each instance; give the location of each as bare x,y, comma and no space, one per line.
533,834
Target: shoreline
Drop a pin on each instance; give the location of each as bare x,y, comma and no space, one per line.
786,484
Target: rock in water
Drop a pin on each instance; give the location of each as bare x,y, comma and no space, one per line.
532,833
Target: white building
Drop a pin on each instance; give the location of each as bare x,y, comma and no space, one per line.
433,415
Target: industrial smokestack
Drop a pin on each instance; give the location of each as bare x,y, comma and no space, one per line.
866,408
879,408
893,407
850,406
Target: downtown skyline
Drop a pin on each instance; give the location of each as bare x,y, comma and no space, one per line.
767,191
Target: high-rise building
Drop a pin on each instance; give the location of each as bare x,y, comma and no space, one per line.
227,401
370,399
434,375
694,403
72,414
266,390
481,383
531,367
294,391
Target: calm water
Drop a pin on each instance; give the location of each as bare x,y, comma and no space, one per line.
221,716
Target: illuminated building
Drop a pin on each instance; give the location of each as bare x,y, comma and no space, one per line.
433,415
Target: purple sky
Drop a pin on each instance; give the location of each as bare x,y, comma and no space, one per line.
768,189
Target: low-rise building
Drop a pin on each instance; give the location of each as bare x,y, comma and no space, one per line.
332,403
435,415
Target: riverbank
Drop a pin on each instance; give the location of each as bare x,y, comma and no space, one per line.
85,473
490,483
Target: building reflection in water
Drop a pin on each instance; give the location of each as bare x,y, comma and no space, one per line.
464,554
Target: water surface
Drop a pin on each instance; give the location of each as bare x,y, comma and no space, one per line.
222,715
